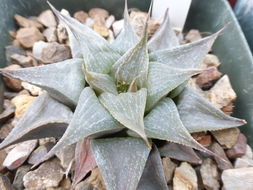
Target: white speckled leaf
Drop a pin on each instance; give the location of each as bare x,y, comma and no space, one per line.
134,63
198,114
97,53
121,161
153,175
90,118
64,80
162,79
128,108
127,37
179,152
165,37
163,123
186,56
100,82
45,117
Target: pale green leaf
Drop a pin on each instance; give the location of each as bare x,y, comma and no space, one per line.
97,53
121,161
198,114
165,37
127,37
90,119
163,123
186,56
100,82
153,175
162,79
45,117
133,64
64,80
128,108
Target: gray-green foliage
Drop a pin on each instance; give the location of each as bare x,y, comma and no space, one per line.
128,86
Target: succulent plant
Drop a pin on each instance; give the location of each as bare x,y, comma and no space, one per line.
114,99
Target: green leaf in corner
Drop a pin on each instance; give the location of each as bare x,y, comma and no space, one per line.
165,37
97,53
198,114
188,56
133,64
64,80
45,117
162,79
100,82
127,37
90,119
163,123
128,108
153,174
121,161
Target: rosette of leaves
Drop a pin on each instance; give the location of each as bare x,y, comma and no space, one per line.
114,99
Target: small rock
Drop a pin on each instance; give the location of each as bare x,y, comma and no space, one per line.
81,16
89,22
18,155
61,33
8,111
110,36
246,160
240,147
202,138
13,84
27,22
48,140
84,186
3,155
208,75
226,137
39,152
34,90
28,36
5,183
12,49
98,15
185,178
109,21
100,29
50,34
192,36
222,93
22,102
168,167
222,165
236,179
47,18
65,183
24,61
209,61
117,26
66,155
228,109
49,174
96,179
20,173
210,175
6,129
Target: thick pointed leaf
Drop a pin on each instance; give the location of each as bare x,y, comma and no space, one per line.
162,79
186,56
64,81
45,117
165,37
100,82
163,123
127,37
128,108
84,160
97,53
153,174
179,152
121,161
133,65
198,114
90,118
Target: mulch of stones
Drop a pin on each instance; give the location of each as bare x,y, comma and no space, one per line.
41,40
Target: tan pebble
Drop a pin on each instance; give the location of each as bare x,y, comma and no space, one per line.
28,36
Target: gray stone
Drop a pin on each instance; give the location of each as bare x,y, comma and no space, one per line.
5,183
168,167
246,160
50,34
20,173
238,179
38,153
12,49
240,147
210,175
24,61
66,155
49,174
